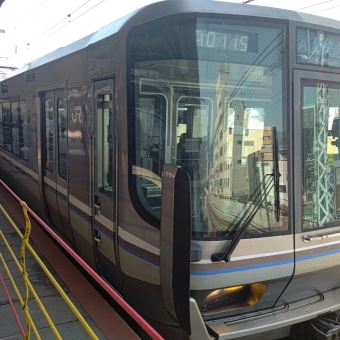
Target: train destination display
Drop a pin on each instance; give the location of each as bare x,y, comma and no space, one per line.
318,48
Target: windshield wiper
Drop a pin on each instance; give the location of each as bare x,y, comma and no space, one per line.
273,183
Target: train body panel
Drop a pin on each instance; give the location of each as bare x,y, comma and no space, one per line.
255,262
189,153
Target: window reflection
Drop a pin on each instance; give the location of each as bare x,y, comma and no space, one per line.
321,159
49,133
62,138
23,130
104,144
15,127
208,98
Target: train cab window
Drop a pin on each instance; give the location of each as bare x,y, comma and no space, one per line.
193,120
104,144
150,129
49,135
62,138
7,125
1,127
320,156
208,92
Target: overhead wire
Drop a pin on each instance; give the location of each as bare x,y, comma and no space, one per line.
68,16
74,19
320,3
254,65
80,7
38,7
51,28
325,9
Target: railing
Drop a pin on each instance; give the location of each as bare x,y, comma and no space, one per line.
108,289
28,286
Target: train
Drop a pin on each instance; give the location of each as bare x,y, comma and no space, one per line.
189,153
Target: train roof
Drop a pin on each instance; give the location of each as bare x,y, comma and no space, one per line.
171,7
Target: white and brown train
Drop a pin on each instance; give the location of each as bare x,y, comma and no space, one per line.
189,153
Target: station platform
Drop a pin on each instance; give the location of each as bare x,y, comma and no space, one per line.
100,316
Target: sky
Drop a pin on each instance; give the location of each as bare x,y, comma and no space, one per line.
36,27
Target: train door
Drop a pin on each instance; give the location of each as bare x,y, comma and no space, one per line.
104,179
317,185
54,148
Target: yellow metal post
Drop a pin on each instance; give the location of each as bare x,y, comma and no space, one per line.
23,264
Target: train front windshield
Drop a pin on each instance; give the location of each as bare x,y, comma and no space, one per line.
207,95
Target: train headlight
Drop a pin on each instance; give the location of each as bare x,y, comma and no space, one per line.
246,295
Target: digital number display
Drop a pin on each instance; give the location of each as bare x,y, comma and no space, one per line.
229,41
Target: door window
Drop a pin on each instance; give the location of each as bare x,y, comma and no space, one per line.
23,129
62,138
49,150
15,127
320,155
104,144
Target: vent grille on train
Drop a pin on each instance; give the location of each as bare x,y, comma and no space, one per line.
30,78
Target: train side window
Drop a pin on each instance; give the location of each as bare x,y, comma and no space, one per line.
15,127
104,145
62,138
23,129
49,150
7,127
1,128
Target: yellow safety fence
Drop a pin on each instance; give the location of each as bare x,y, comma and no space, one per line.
28,286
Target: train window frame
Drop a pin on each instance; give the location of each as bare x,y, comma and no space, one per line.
279,25
62,137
